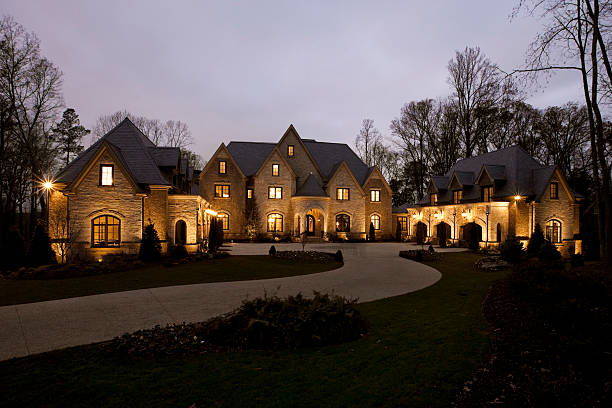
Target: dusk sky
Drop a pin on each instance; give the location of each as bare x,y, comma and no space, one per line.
237,70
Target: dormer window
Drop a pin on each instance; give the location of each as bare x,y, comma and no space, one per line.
554,191
275,170
433,199
457,195
106,175
290,151
222,167
487,192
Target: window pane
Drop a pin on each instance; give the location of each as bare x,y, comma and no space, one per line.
375,220
290,150
107,176
343,223
275,169
222,167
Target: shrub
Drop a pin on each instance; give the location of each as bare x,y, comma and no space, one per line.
431,248
338,256
549,252
419,255
272,251
178,252
13,251
41,252
398,231
215,235
535,242
372,232
511,250
150,246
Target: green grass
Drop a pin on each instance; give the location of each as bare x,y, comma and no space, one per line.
419,351
228,269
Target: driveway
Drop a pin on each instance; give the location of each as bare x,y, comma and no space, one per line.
371,271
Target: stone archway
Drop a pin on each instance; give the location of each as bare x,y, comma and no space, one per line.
472,234
314,222
443,233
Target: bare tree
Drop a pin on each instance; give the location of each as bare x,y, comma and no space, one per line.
177,134
63,232
366,141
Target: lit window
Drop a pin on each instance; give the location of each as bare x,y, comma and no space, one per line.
374,195
275,223
554,191
403,221
275,169
433,199
222,167
249,193
224,221
275,192
553,231
290,150
343,223
375,220
106,175
487,192
457,195
105,231
222,191
342,193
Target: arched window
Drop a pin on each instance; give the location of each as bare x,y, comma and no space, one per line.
275,223
343,223
224,218
553,231
375,220
105,231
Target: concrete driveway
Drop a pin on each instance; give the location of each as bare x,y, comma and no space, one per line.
370,272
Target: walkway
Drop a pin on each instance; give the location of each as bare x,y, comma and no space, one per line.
370,272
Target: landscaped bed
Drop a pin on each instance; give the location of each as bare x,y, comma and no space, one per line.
183,272
418,352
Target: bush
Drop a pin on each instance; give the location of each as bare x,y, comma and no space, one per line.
41,252
178,252
398,231
13,252
372,233
511,250
215,235
419,255
431,248
150,246
338,256
535,242
272,251
262,323
549,252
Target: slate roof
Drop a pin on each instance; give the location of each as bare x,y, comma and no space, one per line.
402,209
130,146
328,156
512,168
165,156
311,188
250,155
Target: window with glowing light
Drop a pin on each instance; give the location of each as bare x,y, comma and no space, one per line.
106,175
433,199
275,171
457,195
222,190
290,150
249,193
553,231
275,193
342,193
403,223
275,223
224,218
222,167
105,231
554,191
375,220
343,223
487,192
375,195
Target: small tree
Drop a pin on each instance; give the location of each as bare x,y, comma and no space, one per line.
549,252
398,231
150,246
215,235
41,252
304,240
512,249
372,232
252,220
69,134
536,241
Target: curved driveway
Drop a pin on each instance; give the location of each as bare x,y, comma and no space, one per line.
370,272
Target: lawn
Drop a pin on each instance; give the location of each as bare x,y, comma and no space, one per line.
419,351
233,268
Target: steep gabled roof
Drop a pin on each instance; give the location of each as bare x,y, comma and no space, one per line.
131,147
311,188
165,156
249,156
328,156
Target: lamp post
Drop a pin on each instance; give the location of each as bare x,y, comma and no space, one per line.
487,212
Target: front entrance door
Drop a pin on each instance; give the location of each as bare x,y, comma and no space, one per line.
310,224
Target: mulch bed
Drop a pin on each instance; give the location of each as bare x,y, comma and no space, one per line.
306,256
549,347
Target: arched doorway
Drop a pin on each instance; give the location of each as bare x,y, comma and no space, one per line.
310,225
443,232
472,234
180,233
421,232
314,222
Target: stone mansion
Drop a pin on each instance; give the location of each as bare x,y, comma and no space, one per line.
101,202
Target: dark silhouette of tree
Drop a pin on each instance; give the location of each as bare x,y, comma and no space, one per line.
68,134
40,252
150,246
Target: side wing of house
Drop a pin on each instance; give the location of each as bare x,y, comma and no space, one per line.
378,199
347,199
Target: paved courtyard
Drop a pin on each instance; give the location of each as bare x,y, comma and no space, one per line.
371,271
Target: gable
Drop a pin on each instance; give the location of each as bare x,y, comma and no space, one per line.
90,176
564,190
343,177
376,177
455,183
211,167
302,163
275,157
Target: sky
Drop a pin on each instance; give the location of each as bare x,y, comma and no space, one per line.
246,70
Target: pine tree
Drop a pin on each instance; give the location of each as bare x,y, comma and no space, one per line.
536,241
150,247
41,252
69,133
372,232
398,231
